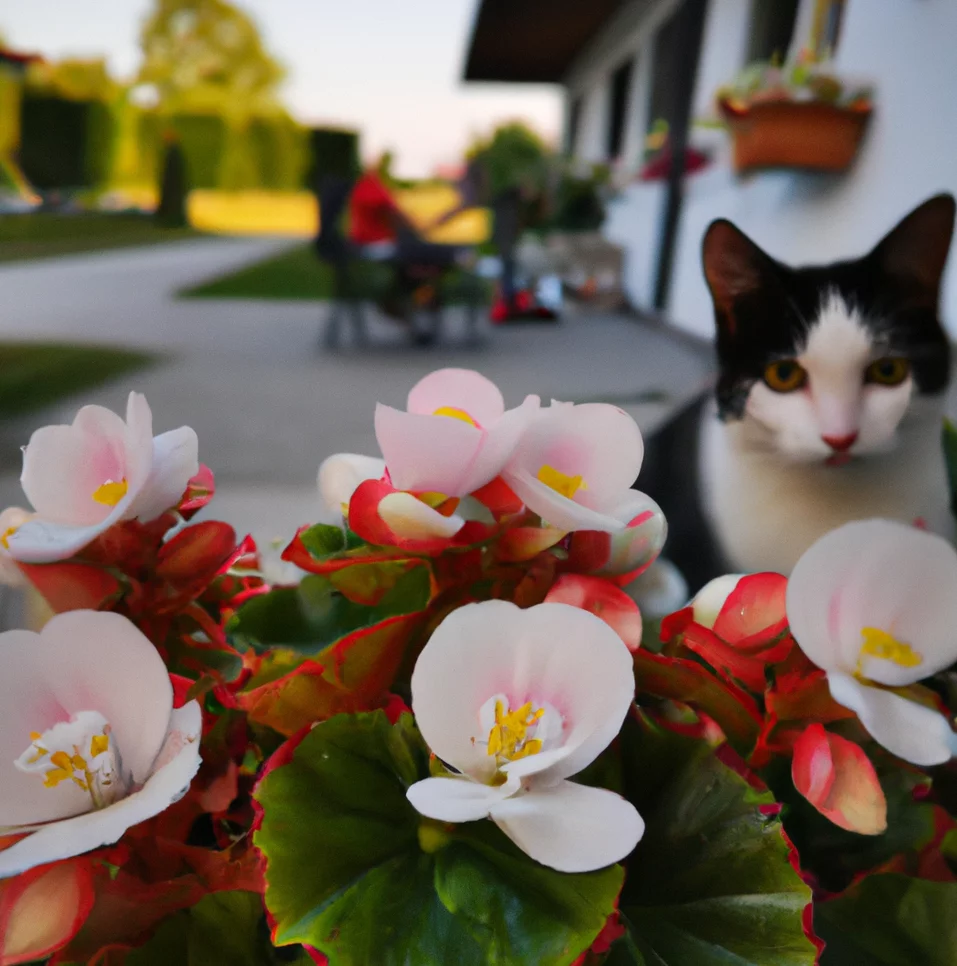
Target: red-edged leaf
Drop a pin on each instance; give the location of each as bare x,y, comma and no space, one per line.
199,491
689,682
518,544
196,554
753,613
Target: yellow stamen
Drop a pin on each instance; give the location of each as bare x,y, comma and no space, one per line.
99,744
454,413
508,735
5,536
561,483
110,493
62,771
880,644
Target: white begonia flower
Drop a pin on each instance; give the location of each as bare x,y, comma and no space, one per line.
83,478
518,701
90,743
874,603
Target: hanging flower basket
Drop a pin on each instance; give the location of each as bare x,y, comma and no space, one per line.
806,135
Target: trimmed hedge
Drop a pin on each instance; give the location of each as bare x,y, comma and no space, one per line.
65,143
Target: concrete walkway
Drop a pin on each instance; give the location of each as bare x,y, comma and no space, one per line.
267,402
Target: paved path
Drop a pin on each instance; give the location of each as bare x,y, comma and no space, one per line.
267,402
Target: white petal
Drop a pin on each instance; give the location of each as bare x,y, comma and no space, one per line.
571,827
881,574
499,444
907,729
83,833
340,475
81,661
43,541
550,653
175,461
557,510
409,518
456,799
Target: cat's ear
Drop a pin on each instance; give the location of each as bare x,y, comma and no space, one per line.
916,250
733,264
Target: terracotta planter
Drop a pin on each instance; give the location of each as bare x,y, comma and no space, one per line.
787,134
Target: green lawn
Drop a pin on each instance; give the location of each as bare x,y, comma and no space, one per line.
44,234
35,375
298,274
293,274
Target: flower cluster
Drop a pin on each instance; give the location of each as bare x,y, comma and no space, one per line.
454,737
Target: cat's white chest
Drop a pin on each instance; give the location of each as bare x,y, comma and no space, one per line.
766,511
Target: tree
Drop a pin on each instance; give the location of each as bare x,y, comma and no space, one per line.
207,55
171,210
513,157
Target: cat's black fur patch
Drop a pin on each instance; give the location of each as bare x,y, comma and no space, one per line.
763,308
762,312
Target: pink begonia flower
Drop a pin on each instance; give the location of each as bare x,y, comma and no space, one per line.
455,436
518,701
574,466
83,478
90,743
874,603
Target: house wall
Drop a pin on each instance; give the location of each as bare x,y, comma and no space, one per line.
906,48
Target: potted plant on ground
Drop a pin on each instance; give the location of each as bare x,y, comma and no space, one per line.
794,116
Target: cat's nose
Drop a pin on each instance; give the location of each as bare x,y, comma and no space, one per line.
840,444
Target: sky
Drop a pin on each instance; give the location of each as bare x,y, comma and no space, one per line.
390,68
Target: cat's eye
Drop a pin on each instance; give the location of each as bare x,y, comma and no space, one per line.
785,375
889,371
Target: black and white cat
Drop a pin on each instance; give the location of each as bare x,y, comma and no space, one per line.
828,403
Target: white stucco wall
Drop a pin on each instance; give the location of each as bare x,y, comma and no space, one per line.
910,152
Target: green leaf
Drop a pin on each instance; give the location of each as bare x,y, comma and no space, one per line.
890,920
710,883
356,872
949,442
222,929
316,614
323,540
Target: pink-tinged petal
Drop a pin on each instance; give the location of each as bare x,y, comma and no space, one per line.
83,833
571,827
548,653
64,466
81,661
43,910
905,728
139,442
633,549
499,444
601,444
462,389
556,510
754,611
604,600
456,799
175,461
410,519
838,779
878,574
428,454
340,475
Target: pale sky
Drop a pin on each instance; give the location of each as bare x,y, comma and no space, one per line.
391,68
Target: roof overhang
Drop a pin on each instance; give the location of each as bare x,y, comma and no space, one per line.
532,41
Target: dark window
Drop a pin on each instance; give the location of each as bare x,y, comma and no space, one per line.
574,122
667,65
828,17
620,87
772,27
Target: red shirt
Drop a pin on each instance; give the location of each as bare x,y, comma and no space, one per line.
371,210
